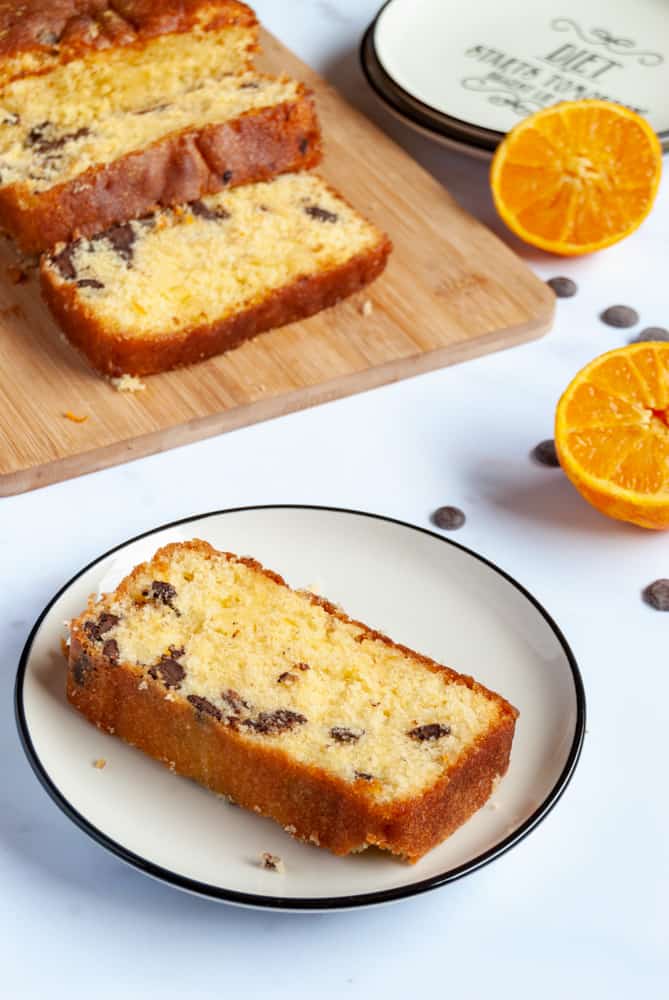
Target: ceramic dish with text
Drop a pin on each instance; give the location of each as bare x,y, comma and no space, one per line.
438,597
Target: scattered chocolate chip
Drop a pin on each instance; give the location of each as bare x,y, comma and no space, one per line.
163,592
204,706
302,666
342,734
122,238
620,316
204,212
433,731
96,629
286,678
110,650
363,776
657,594
564,288
321,214
80,668
448,518
304,146
42,144
168,671
545,453
651,333
235,701
63,262
280,721
226,177
89,283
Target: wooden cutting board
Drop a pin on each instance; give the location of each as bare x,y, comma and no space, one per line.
452,291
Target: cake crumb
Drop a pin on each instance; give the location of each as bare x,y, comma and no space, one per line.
367,307
493,805
314,839
16,274
272,863
74,417
100,763
128,383
142,686
290,829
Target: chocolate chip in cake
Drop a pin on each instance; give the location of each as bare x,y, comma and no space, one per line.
280,721
80,668
651,333
38,139
363,776
96,629
251,85
226,177
620,316
204,706
545,453
63,262
432,731
302,666
564,288
163,592
657,594
304,145
449,518
286,678
122,238
342,734
154,107
321,214
110,650
89,283
204,212
235,701
168,670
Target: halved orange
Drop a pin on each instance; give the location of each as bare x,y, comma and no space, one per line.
612,434
577,177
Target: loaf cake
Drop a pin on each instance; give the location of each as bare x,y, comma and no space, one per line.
94,36
186,283
275,698
61,181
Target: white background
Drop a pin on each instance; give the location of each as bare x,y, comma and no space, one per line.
577,910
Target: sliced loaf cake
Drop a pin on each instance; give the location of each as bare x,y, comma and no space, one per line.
214,666
186,283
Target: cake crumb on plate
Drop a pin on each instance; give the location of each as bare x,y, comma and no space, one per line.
100,763
272,862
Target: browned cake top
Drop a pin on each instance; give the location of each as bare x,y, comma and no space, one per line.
61,30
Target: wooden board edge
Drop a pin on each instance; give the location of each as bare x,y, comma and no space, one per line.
24,480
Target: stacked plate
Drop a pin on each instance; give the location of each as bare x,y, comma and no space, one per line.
464,74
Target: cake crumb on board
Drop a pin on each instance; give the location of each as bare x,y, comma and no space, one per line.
272,862
100,764
367,307
128,383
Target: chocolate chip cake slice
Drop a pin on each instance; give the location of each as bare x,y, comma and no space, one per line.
184,284
96,37
275,698
59,181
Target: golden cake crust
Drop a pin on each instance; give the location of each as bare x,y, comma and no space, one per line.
312,804
181,167
36,35
112,354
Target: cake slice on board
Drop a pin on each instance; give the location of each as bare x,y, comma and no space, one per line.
214,666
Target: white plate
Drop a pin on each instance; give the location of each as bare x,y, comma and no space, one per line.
420,588
481,67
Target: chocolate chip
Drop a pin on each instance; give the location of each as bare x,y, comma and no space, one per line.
363,776
110,650
302,666
204,706
37,138
304,146
564,288
122,238
226,177
342,734
89,283
448,518
657,594
280,721
286,678
433,731
96,629
80,668
620,316
651,333
321,214
154,107
545,453
163,592
251,85
168,671
204,212
235,701
63,262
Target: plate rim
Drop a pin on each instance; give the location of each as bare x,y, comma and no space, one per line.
430,117
304,903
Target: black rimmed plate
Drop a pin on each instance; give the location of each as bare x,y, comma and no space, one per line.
422,589
467,73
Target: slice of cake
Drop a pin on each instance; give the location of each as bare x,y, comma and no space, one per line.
184,284
96,37
214,666
59,181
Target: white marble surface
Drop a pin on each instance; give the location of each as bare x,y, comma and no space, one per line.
578,909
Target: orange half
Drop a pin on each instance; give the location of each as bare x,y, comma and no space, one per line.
612,434
577,177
